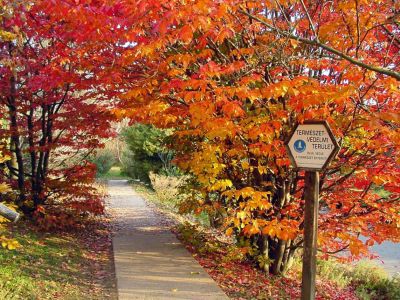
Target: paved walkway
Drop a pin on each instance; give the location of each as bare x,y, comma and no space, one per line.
150,263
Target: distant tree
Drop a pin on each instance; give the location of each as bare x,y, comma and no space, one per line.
104,160
146,151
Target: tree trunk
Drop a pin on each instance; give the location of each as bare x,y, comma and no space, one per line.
281,252
264,250
15,143
277,256
33,157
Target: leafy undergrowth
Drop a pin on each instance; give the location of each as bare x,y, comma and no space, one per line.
58,265
238,277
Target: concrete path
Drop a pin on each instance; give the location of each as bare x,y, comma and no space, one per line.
150,263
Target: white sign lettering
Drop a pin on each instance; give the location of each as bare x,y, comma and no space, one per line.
311,146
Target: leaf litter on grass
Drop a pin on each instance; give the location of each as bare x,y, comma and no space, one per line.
59,265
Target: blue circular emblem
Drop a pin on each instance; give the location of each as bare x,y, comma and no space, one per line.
299,146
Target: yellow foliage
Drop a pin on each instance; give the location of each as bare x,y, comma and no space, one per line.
6,243
6,36
4,188
4,158
9,244
229,231
221,185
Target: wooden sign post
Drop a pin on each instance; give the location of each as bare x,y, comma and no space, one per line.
311,195
311,147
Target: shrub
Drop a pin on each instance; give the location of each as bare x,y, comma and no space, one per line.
168,188
372,282
139,168
369,280
103,160
146,152
73,203
366,271
334,271
393,288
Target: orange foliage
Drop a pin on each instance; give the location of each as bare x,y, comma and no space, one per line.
232,87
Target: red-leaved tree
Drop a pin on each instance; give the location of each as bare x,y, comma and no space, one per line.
56,80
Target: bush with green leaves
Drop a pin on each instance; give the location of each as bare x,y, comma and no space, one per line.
103,160
372,282
146,152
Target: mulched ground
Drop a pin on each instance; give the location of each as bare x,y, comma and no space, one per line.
243,280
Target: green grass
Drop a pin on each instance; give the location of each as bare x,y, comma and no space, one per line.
46,266
373,282
369,280
114,173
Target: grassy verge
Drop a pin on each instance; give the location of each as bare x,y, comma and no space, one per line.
170,207
74,265
369,280
147,193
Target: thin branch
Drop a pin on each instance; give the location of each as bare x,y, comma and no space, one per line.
310,20
350,59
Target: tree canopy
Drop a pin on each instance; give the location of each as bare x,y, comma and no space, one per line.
232,78
57,93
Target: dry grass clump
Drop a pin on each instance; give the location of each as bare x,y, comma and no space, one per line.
168,188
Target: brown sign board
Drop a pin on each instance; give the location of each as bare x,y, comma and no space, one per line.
312,146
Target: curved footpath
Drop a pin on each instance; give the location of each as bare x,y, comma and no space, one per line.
150,263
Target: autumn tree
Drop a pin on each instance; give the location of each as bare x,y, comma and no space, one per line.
234,77
56,83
